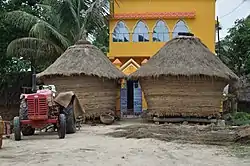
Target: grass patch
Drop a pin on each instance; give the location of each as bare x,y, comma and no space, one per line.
240,118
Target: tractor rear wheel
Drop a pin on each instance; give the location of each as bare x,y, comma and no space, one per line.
62,126
17,128
70,120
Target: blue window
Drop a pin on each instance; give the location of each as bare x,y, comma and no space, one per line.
180,27
121,33
161,32
141,32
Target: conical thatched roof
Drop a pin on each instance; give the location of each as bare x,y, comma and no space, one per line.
186,56
82,58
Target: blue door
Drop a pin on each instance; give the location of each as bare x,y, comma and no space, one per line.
137,98
124,98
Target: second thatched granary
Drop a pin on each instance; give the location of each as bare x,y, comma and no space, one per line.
84,69
243,93
184,78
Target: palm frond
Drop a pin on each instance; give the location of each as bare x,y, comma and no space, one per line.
96,13
69,17
21,19
43,30
44,7
29,47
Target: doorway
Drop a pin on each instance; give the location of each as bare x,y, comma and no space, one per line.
130,97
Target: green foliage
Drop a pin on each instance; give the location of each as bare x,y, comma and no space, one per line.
54,27
15,65
40,30
102,40
240,118
235,50
43,40
10,67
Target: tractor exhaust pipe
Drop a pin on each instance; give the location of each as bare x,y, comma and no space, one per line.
34,82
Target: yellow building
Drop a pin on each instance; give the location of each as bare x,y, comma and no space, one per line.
139,28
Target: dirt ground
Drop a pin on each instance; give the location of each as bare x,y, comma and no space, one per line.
191,133
103,146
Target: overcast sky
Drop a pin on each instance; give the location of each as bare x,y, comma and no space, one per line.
229,11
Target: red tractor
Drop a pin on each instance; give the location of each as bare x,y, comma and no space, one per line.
40,110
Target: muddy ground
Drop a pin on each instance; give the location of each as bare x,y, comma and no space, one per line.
96,146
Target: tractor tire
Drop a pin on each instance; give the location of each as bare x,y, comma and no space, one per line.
17,129
62,126
1,141
28,130
70,120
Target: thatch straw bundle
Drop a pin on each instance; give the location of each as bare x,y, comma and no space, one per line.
84,69
82,58
243,89
186,56
184,78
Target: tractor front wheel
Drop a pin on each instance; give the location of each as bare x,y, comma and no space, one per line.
23,111
62,126
1,141
17,129
28,130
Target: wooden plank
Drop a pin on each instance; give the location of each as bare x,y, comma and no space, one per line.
180,119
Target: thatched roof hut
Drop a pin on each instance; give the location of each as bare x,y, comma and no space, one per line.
84,69
184,78
243,89
243,93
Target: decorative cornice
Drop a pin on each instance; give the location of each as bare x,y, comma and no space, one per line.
117,62
131,65
158,15
130,61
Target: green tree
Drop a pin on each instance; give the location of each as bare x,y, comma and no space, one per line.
10,67
57,25
234,48
9,33
102,39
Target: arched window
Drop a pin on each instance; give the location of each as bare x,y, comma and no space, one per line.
141,32
161,32
121,33
180,27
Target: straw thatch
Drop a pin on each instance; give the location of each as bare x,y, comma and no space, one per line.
86,71
243,88
82,58
184,78
186,56
243,93
183,96
96,95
